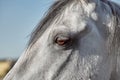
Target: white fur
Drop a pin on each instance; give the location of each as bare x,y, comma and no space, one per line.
87,59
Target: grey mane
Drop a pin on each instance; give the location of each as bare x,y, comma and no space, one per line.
52,13
116,38
116,13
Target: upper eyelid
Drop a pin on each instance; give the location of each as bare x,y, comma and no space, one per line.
69,34
62,35
65,31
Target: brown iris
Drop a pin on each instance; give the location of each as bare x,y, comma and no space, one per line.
62,41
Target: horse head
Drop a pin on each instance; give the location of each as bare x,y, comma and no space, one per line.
72,42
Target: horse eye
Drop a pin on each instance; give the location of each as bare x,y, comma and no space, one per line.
62,41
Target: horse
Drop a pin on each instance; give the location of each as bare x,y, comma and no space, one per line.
76,40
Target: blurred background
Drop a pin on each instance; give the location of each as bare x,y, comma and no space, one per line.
17,20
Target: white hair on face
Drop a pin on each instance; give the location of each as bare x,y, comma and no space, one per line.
87,58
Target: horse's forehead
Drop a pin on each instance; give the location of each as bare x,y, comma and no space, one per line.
76,17
76,12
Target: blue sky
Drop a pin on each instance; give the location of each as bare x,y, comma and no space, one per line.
17,20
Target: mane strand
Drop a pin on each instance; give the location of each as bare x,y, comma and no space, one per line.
53,11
